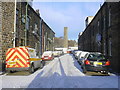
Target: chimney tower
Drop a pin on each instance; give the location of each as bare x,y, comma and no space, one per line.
65,37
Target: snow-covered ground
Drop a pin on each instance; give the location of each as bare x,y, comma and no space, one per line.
62,72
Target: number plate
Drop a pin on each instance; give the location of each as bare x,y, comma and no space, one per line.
97,63
46,57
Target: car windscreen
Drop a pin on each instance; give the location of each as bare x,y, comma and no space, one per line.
96,57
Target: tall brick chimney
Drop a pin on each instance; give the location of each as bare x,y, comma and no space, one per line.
65,37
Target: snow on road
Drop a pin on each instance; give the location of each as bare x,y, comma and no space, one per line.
62,72
65,72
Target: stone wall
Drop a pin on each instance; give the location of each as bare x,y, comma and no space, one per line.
0,36
47,37
33,33
7,28
10,35
102,34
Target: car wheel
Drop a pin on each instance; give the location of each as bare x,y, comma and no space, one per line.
79,62
31,69
81,67
84,70
41,65
10,71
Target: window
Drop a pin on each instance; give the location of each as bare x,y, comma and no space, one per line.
104,48
23,19
35,28
22,42
28,23
98,23
110,47
92,31
109,17
96,57
17,15
104,23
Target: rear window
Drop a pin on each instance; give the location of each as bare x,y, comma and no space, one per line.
96,57
47,53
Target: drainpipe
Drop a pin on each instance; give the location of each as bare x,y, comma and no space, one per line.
26,24
14,33
41,36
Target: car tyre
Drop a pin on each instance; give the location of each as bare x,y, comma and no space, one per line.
31,69
10,71
41,64
84,70
79,62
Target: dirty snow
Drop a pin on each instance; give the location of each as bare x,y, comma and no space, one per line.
62,72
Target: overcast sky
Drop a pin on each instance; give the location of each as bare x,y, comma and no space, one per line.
67,14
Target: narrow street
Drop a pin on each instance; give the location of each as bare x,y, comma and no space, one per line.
62,72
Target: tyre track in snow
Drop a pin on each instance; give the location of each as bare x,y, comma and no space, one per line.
61,74
73,73
51,75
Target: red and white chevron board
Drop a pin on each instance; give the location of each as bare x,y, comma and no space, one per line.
17,57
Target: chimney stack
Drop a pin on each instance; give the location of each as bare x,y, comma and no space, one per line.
65,37
37,11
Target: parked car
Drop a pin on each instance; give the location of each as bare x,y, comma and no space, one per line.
77,54
55,53
95,61
47,55
81,56
60,53
73,52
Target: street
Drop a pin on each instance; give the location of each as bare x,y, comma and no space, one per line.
62,72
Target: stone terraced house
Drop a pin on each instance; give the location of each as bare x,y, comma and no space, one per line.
21,25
